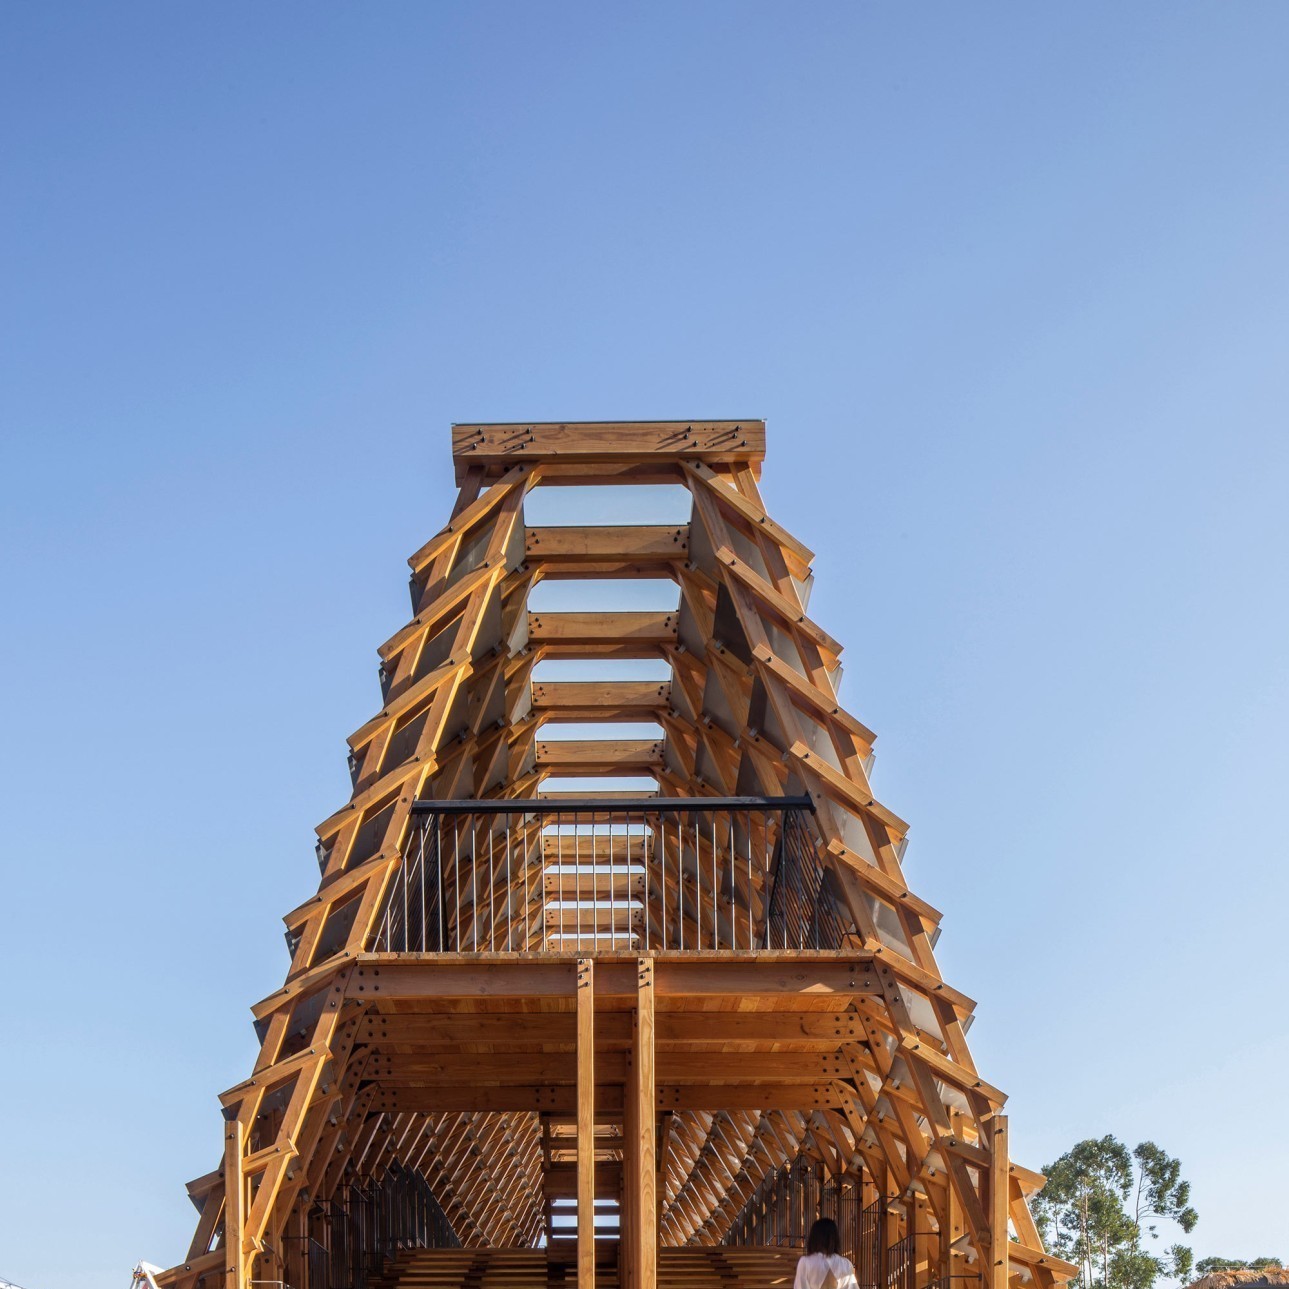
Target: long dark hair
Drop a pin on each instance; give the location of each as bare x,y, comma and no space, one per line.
823,1237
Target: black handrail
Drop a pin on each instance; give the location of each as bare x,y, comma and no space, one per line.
552,805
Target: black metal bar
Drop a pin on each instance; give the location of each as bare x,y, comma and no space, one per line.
534,805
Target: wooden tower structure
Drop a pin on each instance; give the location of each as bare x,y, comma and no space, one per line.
638,1035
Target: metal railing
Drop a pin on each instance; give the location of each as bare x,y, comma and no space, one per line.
620,873
870,1255
781,1209
353,1237
899,1264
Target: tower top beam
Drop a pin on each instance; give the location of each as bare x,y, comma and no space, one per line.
497,447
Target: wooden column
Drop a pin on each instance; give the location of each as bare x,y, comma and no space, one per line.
234,1206
920,1230
585,1124
644,1215
628,1213
883,1227
999,1185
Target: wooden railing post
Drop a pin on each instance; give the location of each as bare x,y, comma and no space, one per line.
585,1124
234,1206
999,1182
644,1217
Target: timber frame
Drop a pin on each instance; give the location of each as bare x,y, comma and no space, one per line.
540,1074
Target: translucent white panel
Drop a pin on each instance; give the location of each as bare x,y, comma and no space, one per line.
603,595
554,732
747,551
854,835
471,553
923,1014
555,506
953,1098
782,644
819,742
555,669
888,926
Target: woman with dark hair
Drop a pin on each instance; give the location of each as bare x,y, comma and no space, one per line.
822,1266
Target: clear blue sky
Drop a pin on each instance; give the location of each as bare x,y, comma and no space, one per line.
1010,283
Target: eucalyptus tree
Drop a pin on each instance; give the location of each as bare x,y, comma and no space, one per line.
1102,1209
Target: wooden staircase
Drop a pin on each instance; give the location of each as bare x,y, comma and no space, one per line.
720,1267
691,1267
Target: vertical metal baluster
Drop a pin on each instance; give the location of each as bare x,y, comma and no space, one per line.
716,912
751,932
680,882
425,911
492,890
727,862
457,825
802,929
508,888
662,877
778,878
541,874
441,890
698,888
403,873
577,877
613,897
644,859
474,889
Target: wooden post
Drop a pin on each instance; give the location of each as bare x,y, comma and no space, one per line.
585,1124
920,1230
999,1184
234,1206
628,1211
644,1217
883,1228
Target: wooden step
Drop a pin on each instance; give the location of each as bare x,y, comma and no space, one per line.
555,1267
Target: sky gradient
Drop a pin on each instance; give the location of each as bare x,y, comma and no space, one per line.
1009,283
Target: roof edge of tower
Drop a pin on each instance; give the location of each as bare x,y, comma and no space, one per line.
498,446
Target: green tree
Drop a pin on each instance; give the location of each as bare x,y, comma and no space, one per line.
1103,1202
1207,1266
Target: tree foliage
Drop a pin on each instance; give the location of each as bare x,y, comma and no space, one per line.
1207,1266
1102,1209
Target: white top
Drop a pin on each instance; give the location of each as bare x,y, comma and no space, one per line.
813,1268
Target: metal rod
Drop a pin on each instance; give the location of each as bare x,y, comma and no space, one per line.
680,884
530,805
716,913
442,890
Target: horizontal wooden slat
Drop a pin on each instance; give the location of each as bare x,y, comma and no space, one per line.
498,446
652,626
786,1028
620,755
610,544
605,700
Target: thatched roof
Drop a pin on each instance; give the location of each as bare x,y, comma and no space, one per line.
1267,1276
